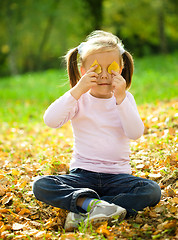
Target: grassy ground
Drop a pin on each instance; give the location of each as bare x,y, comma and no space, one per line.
24,98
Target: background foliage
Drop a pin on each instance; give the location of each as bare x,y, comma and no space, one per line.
35,34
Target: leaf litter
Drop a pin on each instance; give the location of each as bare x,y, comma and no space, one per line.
29,151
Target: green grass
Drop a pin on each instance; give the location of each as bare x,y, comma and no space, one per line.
24,98
155,78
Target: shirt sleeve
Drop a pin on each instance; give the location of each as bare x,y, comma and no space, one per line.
61,111
130,119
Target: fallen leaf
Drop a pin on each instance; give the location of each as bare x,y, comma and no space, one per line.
174,200
15,172
2,191
24,211
6,199
17,226
155,176
170,192
103,229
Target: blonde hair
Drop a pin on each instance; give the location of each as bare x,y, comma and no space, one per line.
98,41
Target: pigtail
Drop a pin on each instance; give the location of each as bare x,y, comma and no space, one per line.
127,71
72,66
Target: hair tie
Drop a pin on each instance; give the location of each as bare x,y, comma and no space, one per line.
121,48
80,47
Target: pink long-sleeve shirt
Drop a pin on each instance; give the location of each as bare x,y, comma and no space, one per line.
102,130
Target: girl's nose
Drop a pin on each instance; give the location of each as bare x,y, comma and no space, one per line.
104,74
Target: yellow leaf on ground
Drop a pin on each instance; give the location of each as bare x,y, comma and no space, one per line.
153,214
15,172
24,211
175,200
103,230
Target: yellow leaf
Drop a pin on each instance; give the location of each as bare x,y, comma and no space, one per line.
22,185
173,209
114,66
153,214
15,172
98,69
171,224
69,236
175,200
103,230
24,211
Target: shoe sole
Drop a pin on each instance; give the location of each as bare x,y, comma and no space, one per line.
71,224
111,219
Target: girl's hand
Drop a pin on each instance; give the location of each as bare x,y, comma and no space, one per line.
87,81
119,87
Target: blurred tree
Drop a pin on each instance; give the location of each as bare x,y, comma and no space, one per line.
144,25
11,17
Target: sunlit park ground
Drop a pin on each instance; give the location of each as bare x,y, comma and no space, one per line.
28,149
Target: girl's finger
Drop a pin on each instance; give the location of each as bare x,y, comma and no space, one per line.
115,73
94,79
92,69
93,74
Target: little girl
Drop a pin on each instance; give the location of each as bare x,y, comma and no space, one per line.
104,117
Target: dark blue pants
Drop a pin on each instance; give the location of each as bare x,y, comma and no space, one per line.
130,192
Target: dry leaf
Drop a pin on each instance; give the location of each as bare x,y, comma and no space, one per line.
24,211
2,191
98,69
174,200
114,66
15,172
17,226
153,214
155,176
170,192
103,230
7,198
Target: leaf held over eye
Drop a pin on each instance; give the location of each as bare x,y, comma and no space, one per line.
114,66
98,69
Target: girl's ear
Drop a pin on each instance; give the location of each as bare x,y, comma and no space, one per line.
82,70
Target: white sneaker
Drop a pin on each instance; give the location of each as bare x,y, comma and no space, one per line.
104,211
73,220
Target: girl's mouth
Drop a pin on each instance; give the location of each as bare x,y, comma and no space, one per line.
104,84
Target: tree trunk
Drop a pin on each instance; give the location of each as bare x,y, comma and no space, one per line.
95,7
161,27
47,33
11,39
